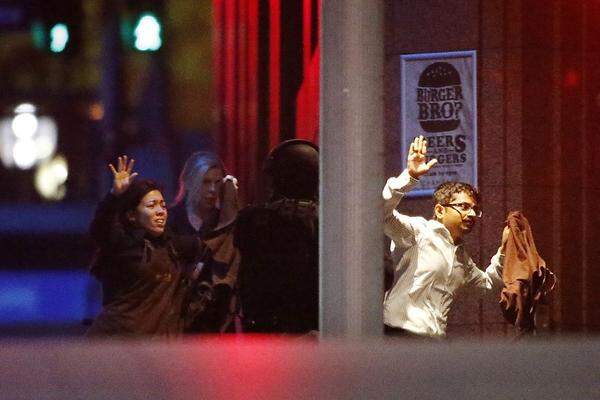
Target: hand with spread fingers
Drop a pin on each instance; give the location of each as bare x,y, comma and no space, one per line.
123,176
417,164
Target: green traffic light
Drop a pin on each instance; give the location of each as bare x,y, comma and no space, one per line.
147,33
38,35
59,37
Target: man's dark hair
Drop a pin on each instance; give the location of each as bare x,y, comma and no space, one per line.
443,193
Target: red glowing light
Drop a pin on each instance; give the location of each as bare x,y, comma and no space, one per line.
572,78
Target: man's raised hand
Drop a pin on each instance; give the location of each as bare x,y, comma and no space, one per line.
122,176
416,163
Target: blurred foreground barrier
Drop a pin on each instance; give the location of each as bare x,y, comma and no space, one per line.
275,368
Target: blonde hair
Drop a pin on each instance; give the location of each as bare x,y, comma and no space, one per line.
191,179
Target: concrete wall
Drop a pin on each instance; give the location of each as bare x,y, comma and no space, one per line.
538,96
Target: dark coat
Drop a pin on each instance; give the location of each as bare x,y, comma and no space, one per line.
279,271
143,278
214,304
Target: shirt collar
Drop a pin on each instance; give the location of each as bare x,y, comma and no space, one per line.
440,229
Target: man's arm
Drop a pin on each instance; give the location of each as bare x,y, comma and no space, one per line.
492,277
397,226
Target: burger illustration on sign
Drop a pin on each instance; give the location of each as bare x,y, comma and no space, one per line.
439,98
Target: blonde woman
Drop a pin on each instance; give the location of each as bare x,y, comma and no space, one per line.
206,205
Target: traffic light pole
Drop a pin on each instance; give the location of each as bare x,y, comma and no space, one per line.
110,92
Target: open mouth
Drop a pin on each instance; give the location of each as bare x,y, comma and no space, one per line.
160,222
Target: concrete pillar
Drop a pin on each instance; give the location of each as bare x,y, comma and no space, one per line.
351,101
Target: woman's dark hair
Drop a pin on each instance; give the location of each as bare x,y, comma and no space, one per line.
134,194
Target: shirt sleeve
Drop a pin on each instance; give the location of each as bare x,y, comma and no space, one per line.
105,228
491,278
398,227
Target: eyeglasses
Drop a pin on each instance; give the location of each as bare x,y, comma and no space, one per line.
464,208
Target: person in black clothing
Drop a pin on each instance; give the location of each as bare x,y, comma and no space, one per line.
139,264
278,243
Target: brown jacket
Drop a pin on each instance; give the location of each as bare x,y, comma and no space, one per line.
527,280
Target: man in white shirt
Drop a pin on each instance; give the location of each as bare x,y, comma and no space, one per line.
432,263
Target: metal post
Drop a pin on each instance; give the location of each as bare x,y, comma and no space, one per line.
351,101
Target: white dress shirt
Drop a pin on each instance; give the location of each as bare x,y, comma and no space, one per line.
429,268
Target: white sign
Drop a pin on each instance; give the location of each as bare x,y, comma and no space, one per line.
439,101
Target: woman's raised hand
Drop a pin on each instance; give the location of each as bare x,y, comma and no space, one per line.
229,200
122,176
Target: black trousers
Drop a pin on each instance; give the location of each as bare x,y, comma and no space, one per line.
402,333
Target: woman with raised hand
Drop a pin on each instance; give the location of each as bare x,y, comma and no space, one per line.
140,265
206,205
206,198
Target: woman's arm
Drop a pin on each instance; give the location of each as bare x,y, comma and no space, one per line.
105,220
229,201
106,225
